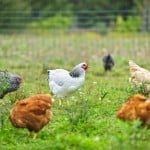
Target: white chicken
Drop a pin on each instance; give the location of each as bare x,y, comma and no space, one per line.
63,82
139,76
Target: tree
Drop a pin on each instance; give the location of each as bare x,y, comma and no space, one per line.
13,13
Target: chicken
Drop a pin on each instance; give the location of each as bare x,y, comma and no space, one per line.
137,107
63,82
8,83
139,76
108,62
32,113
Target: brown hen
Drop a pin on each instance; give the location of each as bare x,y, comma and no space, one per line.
137,107
32,113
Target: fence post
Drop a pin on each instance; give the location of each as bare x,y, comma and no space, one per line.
146,16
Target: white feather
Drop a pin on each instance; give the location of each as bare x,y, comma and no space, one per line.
61,83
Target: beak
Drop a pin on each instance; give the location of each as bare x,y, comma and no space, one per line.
87,67
20,80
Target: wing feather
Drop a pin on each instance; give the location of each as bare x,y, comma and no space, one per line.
61,83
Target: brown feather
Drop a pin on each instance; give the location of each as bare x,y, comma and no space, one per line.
136,107
32,113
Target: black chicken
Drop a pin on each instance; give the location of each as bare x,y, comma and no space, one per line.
108,62
8,83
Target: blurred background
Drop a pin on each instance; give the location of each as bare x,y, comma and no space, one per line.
102,16
61,27
70,15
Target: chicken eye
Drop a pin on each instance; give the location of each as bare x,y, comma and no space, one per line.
84,65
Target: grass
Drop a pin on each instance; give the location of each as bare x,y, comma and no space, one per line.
89,122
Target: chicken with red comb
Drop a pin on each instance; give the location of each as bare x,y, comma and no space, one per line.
63,82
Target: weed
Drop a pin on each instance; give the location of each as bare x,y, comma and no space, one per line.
89,122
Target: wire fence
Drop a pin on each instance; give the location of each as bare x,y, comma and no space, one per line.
87,20
82,33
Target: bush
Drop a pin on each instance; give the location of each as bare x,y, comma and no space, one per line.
132,24
56,22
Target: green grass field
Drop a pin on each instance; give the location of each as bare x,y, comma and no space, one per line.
89,123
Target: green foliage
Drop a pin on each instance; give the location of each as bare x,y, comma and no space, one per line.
102,5
16,14
11,14
131,24
89,122
139,88
4,82
56,22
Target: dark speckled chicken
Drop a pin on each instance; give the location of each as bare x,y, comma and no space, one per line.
108,62
8,83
